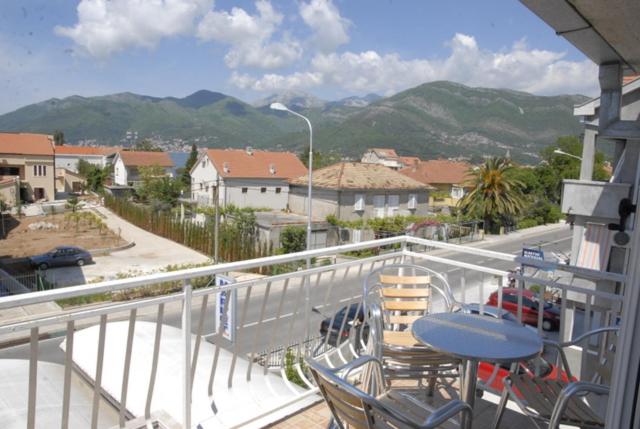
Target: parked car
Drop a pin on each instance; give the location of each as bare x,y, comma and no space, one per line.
61,256
546,370
489,310
550,316
354,317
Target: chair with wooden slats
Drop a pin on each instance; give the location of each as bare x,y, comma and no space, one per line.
395,296
372,405
552,402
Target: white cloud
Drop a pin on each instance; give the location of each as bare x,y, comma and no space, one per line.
106,27
520,68
274,82
329,27
250,37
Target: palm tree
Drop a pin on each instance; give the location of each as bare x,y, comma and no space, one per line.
494,195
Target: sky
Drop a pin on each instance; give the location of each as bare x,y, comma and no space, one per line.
252,49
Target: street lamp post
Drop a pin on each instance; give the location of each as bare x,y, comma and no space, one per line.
282,107
307,292
560,152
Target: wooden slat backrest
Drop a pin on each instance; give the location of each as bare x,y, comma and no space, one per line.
387,279
392,292
348,407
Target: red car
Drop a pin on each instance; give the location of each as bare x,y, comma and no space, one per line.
546,370
550,317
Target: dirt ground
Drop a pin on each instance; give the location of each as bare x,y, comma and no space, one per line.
84,231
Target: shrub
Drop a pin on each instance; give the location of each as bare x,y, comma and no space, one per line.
527,223
293,239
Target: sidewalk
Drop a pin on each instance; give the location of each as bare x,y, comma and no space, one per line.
151,253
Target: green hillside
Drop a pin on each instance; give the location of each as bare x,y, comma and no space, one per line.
431,120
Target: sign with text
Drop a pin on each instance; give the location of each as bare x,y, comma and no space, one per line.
224,299
532,253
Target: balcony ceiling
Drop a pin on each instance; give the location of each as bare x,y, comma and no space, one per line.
605,31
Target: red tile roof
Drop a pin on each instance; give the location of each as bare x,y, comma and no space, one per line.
26,144
408,160
132,158
629,79
240,163
439,171
358,175
86,150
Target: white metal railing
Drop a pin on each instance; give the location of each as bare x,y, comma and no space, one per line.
274,319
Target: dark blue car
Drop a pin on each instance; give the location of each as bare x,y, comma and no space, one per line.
61,256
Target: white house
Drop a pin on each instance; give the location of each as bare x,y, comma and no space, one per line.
67,157
127,163
248,178
388,158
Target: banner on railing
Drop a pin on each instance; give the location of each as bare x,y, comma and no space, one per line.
229,328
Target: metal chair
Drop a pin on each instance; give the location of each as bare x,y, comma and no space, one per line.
376,406
554,401
394,297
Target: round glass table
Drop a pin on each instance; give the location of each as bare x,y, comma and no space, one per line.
474,338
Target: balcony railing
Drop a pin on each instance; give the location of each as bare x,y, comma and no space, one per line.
216,353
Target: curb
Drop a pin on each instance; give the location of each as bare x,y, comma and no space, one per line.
108,250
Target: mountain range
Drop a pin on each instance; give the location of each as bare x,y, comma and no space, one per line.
437,119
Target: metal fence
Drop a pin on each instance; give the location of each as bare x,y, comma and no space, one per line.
232,336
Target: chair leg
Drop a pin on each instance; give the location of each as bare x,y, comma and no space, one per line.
502,405
432,385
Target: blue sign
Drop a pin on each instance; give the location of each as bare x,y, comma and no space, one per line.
533,253
229,328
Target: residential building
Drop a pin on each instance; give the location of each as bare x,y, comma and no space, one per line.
126,171
9,190
69,181
383,156
247,178
351,191
67,156
449,178
30,157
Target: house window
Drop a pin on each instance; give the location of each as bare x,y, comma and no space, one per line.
358,204
207,188
263,190
204,162
412,203
378,206
356,235
278,190
393,204
201,186
39,170
457,192
244,190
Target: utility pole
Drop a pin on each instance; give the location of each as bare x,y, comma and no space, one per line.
216,231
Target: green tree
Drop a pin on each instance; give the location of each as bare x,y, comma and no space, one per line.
94,175
186,173
157,188
320,159
58,138
146,145
555,167
495,196
72,203
293,239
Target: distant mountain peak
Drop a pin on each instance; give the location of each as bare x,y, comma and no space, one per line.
199,99
292,99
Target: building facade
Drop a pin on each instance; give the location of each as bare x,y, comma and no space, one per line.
358,191
67,156
449,178
126,166
247,178
30,158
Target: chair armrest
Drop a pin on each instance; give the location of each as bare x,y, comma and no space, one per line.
560,349
589,334
345,370
446,412
571,390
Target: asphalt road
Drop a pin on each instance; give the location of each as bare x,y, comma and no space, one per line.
328,294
